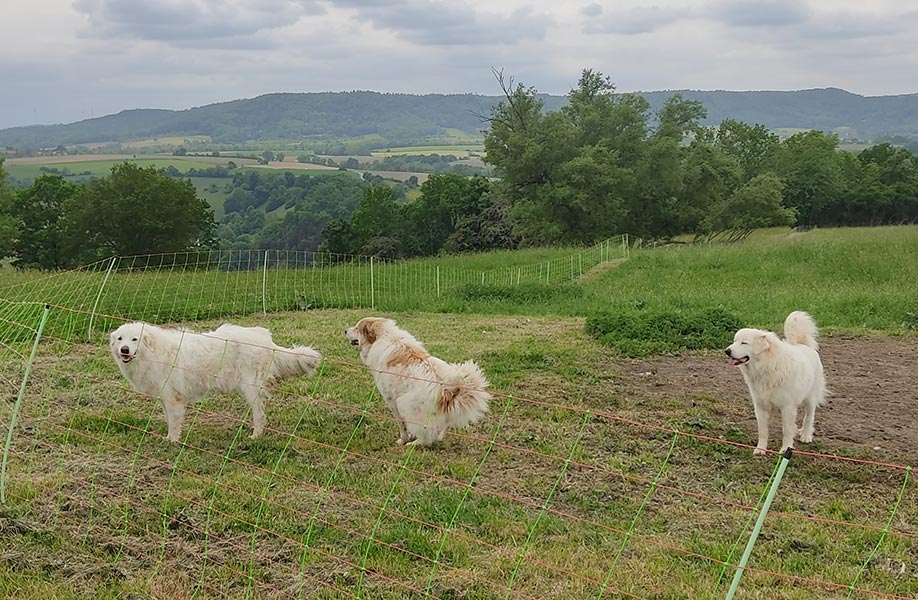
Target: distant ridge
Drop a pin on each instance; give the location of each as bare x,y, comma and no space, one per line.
399,119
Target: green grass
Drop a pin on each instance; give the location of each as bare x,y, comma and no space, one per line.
73,507
99,508
215,199
856,279
101,168
645,333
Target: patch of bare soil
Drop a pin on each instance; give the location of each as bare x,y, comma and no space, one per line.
873,408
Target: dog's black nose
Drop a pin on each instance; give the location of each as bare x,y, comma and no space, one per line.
727,352
125,350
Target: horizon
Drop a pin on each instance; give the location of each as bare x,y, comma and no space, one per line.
657,91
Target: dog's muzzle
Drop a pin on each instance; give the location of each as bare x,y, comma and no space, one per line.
353,341
736,361
125,355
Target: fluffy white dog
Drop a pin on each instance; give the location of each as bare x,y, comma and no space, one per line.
180,367
425,394
782,375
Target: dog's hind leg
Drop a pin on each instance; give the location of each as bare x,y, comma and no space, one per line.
805,433
255,396
788,426
762,414
175,417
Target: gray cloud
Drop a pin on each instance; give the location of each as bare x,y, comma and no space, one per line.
591,10
177,20
449,23
632,21
760,13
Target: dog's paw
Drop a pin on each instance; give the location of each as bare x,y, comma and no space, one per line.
759,452
400,442
806,438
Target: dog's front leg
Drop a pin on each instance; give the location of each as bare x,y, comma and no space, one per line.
762,414
788,426
174,408
403,436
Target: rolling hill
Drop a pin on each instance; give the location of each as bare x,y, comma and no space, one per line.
404,119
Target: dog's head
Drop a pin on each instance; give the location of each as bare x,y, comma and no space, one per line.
125,341
367,330
747,344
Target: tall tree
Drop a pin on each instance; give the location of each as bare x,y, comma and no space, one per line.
445,199
38,210
811,170
9,232
137,211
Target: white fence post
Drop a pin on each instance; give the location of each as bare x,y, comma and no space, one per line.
438,281
95,305
372,286
264,286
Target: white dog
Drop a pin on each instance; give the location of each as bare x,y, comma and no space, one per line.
425,394
783,375
179,367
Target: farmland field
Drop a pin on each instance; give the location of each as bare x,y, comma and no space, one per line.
595,475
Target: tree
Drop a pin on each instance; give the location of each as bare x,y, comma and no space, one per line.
378,216
679,117
8,229
811,170
445,200
136,211
38,211
754,205
755,148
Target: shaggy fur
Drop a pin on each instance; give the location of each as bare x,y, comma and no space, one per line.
180,367
425,394
782,374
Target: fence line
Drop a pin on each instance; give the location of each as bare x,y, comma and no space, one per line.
210,284
246,493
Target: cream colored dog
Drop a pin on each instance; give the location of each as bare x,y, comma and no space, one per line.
425,394
782,375
180,367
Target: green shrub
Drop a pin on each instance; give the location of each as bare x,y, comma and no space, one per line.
642,334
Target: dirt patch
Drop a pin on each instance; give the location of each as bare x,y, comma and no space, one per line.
873,407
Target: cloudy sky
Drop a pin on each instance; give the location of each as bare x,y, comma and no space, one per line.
66,60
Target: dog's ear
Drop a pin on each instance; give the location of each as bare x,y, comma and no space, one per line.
762,343
368,330
148,341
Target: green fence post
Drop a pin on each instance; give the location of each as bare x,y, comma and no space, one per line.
15,413
785,459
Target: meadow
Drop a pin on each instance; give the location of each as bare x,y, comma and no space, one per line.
586,481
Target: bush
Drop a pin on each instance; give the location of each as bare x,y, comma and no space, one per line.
641,334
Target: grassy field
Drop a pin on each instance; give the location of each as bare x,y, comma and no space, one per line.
460,149
100,168
572,488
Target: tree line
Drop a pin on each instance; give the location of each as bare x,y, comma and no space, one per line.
56,223
605,164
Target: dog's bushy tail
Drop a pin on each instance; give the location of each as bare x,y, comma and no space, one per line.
800,328
293,362
464,400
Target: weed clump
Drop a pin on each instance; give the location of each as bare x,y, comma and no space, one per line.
645,333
